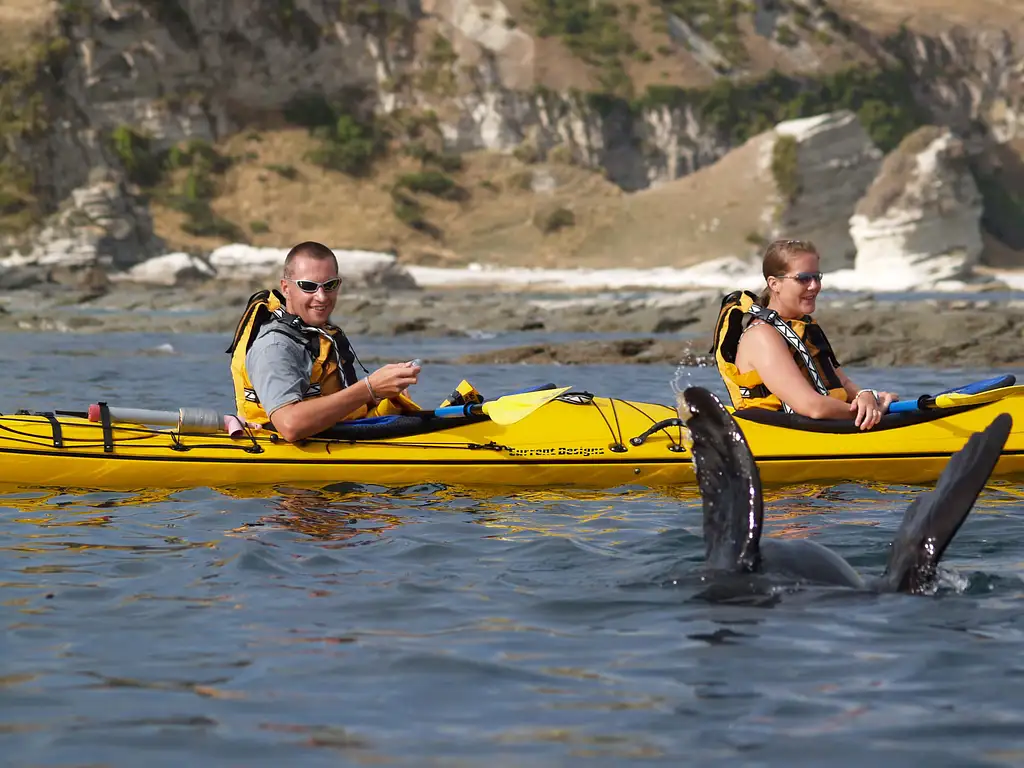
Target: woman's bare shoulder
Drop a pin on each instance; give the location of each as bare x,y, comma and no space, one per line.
761,332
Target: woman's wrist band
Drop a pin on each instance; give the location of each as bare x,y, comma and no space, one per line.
874,393
369,388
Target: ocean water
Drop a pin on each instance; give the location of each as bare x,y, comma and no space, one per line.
434,625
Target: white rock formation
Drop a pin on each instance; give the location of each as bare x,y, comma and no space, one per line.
357,268
835,163
919,223
169,269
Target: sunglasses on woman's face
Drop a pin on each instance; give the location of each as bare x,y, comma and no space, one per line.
312,286
804,278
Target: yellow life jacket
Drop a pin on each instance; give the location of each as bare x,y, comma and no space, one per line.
333,359
811,351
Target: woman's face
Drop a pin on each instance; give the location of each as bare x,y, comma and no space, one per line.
796,291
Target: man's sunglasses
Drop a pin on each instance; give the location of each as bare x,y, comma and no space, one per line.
804,278
312,286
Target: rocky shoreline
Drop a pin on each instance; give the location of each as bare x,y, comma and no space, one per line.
650,329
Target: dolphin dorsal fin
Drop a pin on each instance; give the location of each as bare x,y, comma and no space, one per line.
934,517
729,481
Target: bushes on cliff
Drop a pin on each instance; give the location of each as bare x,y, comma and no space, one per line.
786,167
881,98
349,143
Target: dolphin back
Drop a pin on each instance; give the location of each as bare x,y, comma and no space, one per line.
730,484
933,518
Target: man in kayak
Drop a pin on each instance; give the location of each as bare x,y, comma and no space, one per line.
773,355
295,371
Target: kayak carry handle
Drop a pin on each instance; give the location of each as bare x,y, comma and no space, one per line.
656,427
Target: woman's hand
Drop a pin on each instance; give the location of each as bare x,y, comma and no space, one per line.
869,410
885,399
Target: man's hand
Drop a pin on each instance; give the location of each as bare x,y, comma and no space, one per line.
393,379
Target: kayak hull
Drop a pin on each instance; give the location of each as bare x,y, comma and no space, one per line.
562,444
580,444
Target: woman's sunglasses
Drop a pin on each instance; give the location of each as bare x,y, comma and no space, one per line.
804,278
312,286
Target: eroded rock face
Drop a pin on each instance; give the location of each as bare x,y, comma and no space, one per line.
969,79
822,167
101,224
919,221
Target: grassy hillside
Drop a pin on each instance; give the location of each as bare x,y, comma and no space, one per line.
376,183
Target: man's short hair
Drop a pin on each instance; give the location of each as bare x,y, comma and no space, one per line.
311,250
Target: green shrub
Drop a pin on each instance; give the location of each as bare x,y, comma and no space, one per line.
430,182
591,29
881,98
549,220
786,36
310,110
198,186
11,204
141,164
259,227
446,161
206,223
522,180
351,147
407,209
786,167
284,171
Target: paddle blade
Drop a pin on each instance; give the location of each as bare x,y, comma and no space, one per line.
996,382
933,519
512,408
954,399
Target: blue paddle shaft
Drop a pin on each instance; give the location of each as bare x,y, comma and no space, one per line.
457,411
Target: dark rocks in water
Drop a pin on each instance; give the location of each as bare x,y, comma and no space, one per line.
641,350
21,278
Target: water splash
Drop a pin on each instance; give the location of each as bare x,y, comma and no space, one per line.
681,379
683,412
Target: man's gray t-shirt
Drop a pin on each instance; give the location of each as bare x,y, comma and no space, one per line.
279,368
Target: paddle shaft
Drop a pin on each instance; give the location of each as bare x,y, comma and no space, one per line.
955,399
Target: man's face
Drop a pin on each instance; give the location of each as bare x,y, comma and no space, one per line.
314,308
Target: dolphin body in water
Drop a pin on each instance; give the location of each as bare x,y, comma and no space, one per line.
730,487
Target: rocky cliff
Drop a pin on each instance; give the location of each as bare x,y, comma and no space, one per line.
919,220
139,95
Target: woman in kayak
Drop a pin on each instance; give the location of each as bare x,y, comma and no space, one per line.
773,355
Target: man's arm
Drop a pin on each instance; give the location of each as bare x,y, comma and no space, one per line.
279,369
301,419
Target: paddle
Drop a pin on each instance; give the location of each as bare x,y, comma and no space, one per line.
504,410
954,400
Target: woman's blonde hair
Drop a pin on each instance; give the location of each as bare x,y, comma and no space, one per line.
776,262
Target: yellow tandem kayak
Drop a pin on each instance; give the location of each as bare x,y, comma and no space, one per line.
575,440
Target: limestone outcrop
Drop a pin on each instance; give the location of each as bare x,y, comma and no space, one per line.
822,166
102,224
919,221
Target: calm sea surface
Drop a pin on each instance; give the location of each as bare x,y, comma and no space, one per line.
434,625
